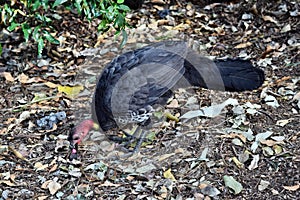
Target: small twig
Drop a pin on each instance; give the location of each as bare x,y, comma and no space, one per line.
28,104
263,112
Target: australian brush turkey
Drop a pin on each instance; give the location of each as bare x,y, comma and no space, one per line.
132,83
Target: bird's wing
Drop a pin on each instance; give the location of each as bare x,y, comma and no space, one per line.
158,69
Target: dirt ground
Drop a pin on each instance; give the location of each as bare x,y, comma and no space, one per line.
249,150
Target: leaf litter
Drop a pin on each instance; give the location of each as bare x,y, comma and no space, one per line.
200,152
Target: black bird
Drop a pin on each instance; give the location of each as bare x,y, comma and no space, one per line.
133,82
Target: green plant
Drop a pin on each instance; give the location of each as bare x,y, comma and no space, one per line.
34,17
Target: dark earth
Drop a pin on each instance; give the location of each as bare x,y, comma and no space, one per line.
249,150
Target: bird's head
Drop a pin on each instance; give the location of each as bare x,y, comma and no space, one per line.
78,133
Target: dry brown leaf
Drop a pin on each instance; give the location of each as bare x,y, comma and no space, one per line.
165,156
54,186
8,77
23,78
17,153
2,131
234,135
8,183
109,184
269,18
158,2
50,84
42,197
285,78
40,166
292,188
243,45
270,143
35,80
45,184
296,97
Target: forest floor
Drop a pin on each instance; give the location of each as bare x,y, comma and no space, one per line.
249,150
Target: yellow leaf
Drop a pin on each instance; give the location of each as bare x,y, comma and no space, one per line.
237,162
168,174
172,117
70,91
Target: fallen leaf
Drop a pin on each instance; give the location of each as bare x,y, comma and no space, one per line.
42,197
233,184
286,28
269,18
243,45
292,188
263,185
50,84
270,143
210,111
70,91
54,186
40,166
237,162
284,122
210,191
168,174
23,78
254,162
8,77
8,183
109,184
17,153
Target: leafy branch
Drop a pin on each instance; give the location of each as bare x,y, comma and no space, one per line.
35,17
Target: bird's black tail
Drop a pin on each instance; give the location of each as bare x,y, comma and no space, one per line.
229,75
240,75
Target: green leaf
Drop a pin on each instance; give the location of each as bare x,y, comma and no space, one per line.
103,25
120,22
124,39
45,4
120,1
0,49
56,16
35,33
36,5
26,30
13,26
124,7
8,9
50,38
47,19
77,5
41,46
58,2
233,184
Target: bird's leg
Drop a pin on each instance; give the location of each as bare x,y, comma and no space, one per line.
139,142
132,137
